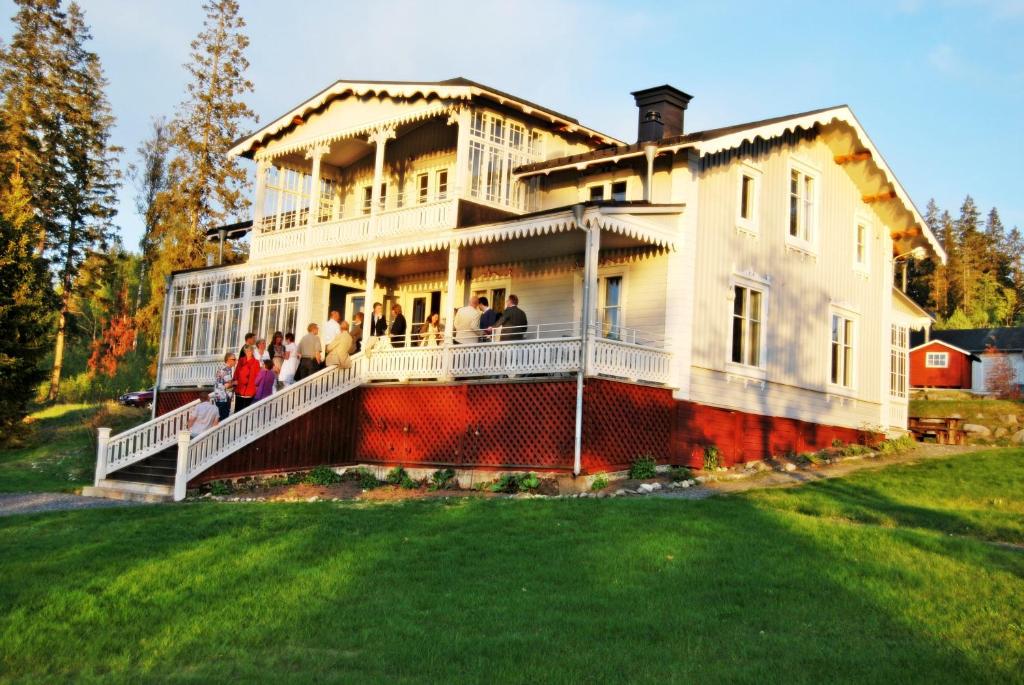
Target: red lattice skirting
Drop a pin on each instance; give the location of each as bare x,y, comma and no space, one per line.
524,425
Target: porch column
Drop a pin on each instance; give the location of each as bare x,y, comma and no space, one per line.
261,191
590,299
379,138
280,199
453,273
315,153
371,276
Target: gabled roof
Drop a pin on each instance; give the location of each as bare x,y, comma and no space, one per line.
458,88
1009,339
973,356
716,140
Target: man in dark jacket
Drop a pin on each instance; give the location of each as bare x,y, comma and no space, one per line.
512,321
487,318
378,322
397,326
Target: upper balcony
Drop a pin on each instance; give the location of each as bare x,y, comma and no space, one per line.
365,162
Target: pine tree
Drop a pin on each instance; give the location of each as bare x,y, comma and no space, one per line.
85,196
941,282
921,273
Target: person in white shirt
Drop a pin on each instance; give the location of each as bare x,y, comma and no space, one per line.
203,417
331,329
467,322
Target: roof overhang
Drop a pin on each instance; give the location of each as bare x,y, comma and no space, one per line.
973,356
451,93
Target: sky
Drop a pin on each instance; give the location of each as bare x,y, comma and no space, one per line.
937,84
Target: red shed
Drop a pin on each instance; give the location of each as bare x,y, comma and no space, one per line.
937,364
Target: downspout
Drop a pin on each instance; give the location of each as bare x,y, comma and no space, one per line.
577,214
160,346
222,235
650,151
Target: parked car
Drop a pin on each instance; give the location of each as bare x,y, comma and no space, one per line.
139,398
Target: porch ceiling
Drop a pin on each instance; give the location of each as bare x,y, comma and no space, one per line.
520,250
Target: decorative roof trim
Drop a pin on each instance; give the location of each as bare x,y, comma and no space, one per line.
936,341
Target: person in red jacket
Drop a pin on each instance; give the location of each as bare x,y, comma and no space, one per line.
245,378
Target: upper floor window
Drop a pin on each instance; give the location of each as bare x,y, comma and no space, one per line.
611,306
367,199
747,319
619,191
861,245
842,348
936,360
497,146
422,188
596,193
749,189
802,206
441,181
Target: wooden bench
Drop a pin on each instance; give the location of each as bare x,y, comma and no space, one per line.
946,431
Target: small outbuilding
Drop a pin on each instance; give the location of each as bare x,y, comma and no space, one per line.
939,364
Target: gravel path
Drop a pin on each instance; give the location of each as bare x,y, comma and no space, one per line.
34,502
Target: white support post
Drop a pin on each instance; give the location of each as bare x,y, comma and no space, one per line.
181,473
590,298
165,341
379,138
261,192
278,219
371,277
316,154
451,303
103,437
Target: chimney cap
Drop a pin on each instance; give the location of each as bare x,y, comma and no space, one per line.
664,93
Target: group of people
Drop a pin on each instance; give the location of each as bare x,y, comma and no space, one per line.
260,367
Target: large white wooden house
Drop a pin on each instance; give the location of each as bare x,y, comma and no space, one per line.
729,287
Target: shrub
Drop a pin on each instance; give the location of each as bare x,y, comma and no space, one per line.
274,482
507,483
322,475
900,444
363,476
441,478
396,476
529,481
836,442
408,483
679,473
712,458
219,488
643,467
599,483
294,478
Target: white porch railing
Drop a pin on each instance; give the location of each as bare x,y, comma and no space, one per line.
354,230
898,414
633,362
261,418
135,444
187,374
516,357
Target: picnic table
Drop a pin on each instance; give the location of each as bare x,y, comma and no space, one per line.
945,430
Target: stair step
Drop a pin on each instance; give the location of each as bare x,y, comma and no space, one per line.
130,491
133,476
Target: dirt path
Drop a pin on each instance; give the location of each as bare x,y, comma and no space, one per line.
786,479
35,502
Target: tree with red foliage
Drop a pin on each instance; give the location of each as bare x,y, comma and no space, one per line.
117,340
1001,377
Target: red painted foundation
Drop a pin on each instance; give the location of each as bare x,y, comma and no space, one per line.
521,426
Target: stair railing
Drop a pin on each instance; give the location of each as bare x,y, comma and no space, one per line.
140,442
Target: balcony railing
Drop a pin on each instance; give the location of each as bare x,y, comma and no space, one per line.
353,230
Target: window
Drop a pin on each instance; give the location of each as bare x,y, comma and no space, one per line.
496,147
802,216
422,188
842,351
367,199
596,193
747,317
747,202
619,191
936,360
898,361
442,184
206,316
862,244
611,307
383,196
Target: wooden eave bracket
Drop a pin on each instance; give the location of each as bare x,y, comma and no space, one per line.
879,197
862,156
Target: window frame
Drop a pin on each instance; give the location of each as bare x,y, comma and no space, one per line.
752,224
862,266
928,360
809,244
603,275
839,387
760,371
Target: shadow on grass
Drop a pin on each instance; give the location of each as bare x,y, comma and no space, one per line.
509,591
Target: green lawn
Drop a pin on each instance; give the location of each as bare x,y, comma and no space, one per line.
968,409
881,577
59,453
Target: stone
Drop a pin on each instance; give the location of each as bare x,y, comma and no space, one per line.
1000,432
620,492
976,429
1018,437
313,499
1011,418
647,487
685,484
790,466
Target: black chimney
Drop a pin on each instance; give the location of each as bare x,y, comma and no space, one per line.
661,112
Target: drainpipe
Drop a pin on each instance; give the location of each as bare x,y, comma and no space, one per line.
160,346
649,152
577,214
222,234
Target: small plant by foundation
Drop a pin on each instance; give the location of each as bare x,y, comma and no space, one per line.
322,475
599,483
363,476
679,473
441,479
643,467
220,488
712,458
396,476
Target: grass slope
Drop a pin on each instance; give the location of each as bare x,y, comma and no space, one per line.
879,577
60,451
